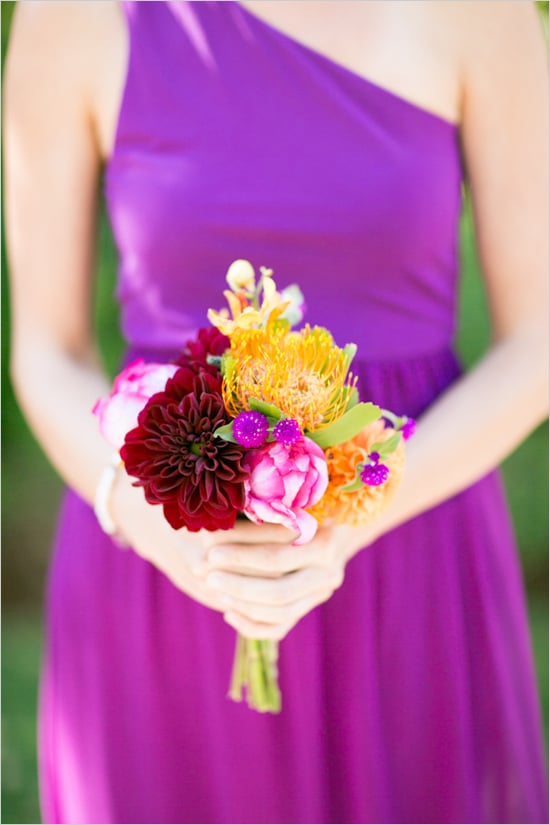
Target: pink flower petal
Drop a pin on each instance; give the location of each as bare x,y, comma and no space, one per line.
314,488
302,462
265,482
132,389
154,380
281,457
265,512
128,376
293,482
306,526
118,416
303,495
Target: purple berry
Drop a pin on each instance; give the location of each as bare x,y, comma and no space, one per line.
250,429
287,432
408,429
374,474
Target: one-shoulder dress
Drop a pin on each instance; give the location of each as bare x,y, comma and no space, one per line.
408,697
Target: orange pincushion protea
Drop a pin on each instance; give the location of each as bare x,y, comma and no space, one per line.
304,374
365,504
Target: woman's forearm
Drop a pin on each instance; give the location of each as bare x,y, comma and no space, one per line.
473,426
57,391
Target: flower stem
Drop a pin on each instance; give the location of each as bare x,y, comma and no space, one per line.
238,676
269,658
255,672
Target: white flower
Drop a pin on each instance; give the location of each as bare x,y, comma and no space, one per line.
240,276
294,313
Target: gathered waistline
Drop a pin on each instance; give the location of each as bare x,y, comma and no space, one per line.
166,354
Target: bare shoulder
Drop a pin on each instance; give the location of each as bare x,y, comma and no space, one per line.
498,45
487,22
63,55
46,30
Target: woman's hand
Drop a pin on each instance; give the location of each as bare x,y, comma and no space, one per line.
252,574
266,585
184,556
180,554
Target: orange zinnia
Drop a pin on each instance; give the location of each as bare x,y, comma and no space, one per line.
365,504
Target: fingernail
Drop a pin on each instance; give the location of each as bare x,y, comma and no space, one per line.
214,580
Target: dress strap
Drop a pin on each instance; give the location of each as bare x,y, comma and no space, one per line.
168,51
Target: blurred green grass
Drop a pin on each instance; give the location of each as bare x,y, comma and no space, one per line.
21,649
29,478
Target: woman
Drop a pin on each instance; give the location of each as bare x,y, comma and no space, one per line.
327,141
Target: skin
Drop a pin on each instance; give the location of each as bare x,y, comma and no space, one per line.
481,65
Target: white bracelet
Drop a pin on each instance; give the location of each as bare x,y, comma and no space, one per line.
103,495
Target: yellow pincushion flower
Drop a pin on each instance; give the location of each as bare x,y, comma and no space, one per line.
304,374
364,504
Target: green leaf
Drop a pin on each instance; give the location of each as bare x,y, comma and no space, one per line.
348,426
356,484
226,432
227,365
353,399
282,323
386,447
349,351
267,409
345,397
353,485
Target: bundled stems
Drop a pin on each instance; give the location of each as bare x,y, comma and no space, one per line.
255,672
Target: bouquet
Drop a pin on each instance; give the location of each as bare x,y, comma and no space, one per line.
255,418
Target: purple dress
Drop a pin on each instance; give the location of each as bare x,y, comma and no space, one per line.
410,695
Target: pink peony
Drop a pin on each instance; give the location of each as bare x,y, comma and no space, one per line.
131,391
284,481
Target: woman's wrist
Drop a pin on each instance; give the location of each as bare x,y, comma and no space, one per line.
353,539
103,493
116,504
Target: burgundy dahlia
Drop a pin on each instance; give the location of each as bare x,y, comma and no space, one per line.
209,341
175,457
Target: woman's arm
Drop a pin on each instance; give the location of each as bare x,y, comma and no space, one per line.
486,414
501,58
51,177
53,118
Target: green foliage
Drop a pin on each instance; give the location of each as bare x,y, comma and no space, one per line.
226,432
385,448
272,412
352,422
21,650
